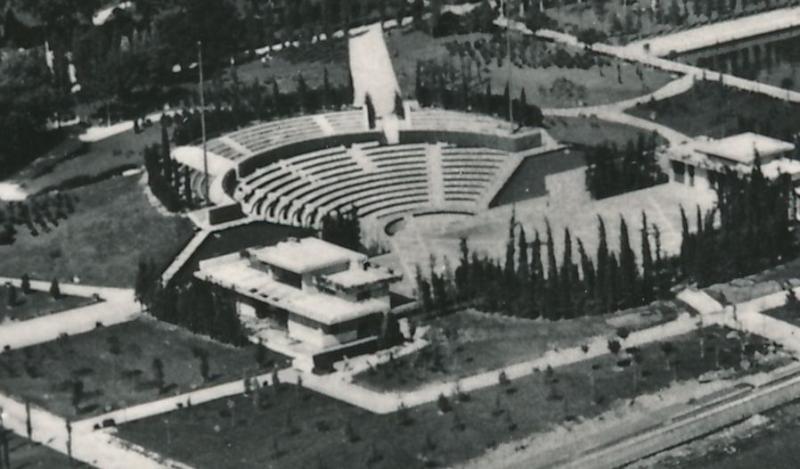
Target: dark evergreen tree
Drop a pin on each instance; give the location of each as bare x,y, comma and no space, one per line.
370,111
629,275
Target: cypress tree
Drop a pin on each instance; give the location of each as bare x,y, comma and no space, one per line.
399,109
587,267
327,99
424,291
464,272
55,289
523,265
687,244
566,277
602,284
647,262
370,111
537,277
510,270
521,113
628,272
552,285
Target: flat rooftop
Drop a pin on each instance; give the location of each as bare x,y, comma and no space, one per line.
357,276
717,33
305,255
742,148
235,273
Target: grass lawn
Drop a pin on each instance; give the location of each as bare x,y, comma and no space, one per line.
115,366
298,428
469,342
590,131
487,232
528,181
582,15
785,313
719,111
29,455
550,86
310,61
763,283
120,151
36,304
235,239
101,243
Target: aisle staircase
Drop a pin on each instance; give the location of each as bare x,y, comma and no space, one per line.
433,159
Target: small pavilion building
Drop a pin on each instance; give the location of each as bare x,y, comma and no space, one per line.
305,296
704,162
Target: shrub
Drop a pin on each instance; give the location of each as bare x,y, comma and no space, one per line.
614,346
502,378
443,404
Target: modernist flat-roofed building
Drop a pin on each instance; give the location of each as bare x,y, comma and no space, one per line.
323,295
703,162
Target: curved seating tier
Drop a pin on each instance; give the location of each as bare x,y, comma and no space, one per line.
379,181
439,119
347,121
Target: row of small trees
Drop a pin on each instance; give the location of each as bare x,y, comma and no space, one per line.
237,104
40,213
199,307
439,93
12,296
750,230
343,229
611,171
533,283
168,182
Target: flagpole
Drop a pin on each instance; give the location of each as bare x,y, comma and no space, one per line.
508,54
203,117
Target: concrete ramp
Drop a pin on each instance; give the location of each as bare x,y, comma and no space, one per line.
371,69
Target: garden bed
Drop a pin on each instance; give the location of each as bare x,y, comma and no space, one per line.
717,111
469,342
36,304
115,367
294,427
113,227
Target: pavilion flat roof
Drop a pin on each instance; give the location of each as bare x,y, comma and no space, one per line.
235,273
742,148
357,276
305,255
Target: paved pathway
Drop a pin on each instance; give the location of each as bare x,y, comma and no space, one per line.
118,306
624,440
717,33
637,56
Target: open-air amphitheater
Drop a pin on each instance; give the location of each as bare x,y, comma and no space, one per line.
419,161
297,170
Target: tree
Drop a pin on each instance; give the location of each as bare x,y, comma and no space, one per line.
629,273
27,99
158,373
370,111
603,279
614,346
424,291
55,289
647,286
443,403
26,284
77,393
399,109
390,331
11,295
550,309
